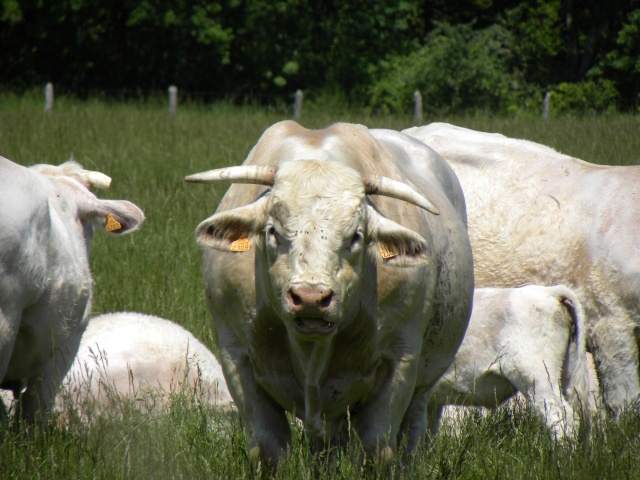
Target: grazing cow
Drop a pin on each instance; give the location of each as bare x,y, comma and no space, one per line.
330,302
47,218
539,217
144,358
530,340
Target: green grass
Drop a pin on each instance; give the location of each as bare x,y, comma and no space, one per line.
158,271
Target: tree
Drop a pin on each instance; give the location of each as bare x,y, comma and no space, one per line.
457,68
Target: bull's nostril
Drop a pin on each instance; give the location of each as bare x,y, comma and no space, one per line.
294,298
326,299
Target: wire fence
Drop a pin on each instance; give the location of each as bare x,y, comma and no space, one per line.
292,102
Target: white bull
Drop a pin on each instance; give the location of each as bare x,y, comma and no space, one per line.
530,340
539,217
331,302
143,358
47,218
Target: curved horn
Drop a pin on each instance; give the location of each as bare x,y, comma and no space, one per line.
379,185
257,174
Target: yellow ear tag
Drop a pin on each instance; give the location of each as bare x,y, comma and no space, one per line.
112,224
241,245
387,253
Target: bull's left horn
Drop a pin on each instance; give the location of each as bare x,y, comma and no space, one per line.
379,185
256,174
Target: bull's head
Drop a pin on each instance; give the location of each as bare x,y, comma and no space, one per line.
315,232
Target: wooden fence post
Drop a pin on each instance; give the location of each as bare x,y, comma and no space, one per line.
48,97
297,106
417,109
173,100
546,106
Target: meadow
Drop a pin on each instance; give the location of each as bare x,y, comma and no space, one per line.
157,270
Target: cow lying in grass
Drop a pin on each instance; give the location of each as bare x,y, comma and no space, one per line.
142,358
529,340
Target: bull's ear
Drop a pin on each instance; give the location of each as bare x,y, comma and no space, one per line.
232,230
395,244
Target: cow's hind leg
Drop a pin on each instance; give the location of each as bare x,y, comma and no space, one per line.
615,352
9,323
542,388
42,387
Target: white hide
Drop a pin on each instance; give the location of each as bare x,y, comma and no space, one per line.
47,219
142,358
342,307
539,217
530,340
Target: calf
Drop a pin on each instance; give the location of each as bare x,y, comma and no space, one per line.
47,219
143,358
529,340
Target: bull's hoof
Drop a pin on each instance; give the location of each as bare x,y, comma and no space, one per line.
386,455
254,455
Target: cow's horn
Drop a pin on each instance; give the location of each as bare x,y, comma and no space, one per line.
98,180
258,174
379,185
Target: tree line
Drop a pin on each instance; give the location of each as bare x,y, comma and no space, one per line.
493,54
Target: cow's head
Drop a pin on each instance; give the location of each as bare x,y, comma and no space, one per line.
116,217
314,232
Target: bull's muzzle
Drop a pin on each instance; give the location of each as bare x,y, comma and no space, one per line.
311,306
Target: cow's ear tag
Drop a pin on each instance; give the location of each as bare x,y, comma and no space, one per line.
385,254
241,245
112,224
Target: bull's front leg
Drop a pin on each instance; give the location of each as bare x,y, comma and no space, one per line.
414,423
264,421
378,421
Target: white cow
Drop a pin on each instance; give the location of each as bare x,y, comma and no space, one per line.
143,358
530,340
539,217
327,300
47,219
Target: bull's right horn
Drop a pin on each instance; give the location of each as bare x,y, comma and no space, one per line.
256,174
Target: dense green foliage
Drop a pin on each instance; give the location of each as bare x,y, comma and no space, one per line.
158,271
489,54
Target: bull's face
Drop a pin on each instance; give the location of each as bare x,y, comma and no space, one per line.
314,244
315,234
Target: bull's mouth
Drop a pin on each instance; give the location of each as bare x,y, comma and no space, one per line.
315,326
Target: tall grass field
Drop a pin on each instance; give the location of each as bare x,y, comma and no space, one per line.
157,270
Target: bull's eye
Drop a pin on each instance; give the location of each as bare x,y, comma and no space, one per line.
356,240
272,235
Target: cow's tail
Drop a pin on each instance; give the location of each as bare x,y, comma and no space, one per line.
575,375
